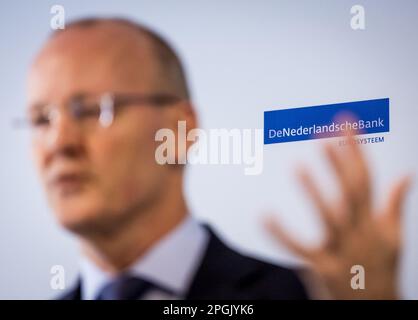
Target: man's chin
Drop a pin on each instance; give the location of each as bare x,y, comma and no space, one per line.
80,223
79,216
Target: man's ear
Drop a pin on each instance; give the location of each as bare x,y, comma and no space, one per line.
191,122
183,120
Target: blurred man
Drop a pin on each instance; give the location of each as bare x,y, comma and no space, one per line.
98,92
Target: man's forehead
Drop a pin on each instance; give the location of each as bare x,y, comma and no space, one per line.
103,32
105,39
105,47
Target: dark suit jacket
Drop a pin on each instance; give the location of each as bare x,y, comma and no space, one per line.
227,274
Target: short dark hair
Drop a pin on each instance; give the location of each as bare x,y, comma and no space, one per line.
170,64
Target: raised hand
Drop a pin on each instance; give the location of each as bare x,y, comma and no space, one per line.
357,233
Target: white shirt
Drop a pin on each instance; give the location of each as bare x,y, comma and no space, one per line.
171,263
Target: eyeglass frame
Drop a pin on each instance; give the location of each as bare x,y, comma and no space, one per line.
108,103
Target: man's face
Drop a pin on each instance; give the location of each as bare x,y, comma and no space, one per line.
94,178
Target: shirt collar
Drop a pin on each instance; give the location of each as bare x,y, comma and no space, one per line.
170,264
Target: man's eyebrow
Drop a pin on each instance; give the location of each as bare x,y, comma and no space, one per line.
78,95
36,106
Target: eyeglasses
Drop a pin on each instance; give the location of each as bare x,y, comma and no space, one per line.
90,111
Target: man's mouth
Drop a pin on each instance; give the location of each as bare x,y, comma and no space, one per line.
68,183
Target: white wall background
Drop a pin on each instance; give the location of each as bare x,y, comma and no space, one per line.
242,57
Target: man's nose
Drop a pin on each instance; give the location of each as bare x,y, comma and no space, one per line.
64,137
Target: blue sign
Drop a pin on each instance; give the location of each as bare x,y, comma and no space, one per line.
324,121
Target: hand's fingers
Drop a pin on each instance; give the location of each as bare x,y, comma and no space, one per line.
278,232
353,178
348,198
397,197
324,210
361,171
